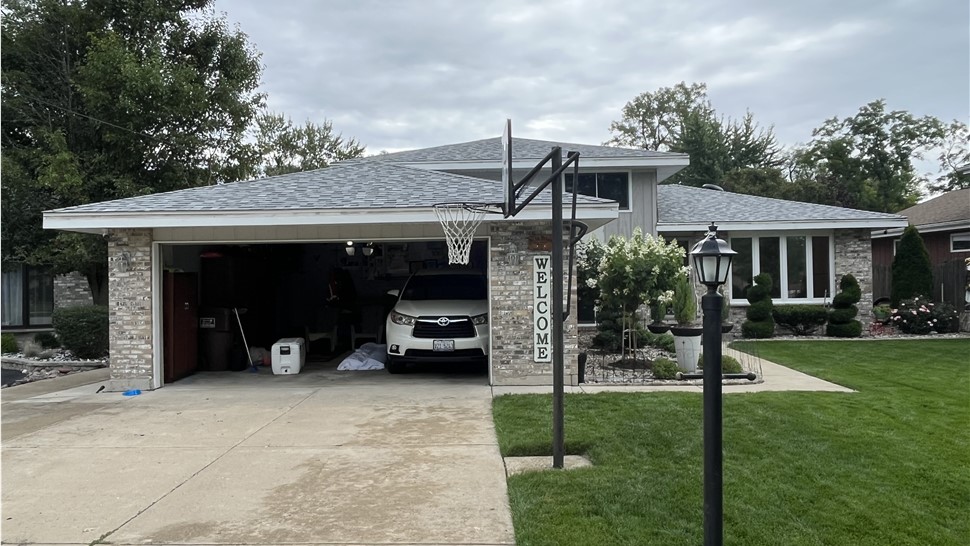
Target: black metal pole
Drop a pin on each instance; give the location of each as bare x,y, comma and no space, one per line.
713,456
558,447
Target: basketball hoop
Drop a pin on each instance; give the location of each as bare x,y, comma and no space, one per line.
460,221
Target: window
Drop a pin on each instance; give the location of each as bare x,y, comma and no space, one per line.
960,242
613,186
800,266
28,296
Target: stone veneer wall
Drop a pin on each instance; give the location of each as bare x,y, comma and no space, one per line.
853,254
71,290
130,309
511,317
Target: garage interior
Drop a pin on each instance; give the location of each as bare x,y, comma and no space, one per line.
332,294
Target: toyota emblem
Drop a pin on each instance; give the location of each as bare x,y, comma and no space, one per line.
443,321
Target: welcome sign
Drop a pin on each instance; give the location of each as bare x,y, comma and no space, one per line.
542,308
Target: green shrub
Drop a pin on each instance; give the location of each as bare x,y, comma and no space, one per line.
912,271
842,321
664,368
760,323
851,329
83,330
684,304
757,330
843,315
8,343
921,316
664,341
802,320
47,340
729,364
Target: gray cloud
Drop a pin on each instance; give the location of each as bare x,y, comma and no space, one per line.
400,75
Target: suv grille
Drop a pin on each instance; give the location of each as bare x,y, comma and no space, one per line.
458,327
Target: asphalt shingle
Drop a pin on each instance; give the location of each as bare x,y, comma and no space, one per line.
686,204
346,185
490,149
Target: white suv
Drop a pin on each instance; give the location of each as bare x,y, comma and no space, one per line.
441,315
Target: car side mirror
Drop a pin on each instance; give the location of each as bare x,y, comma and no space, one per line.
394,292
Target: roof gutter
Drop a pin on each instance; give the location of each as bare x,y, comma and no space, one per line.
702,224
596,215
924,228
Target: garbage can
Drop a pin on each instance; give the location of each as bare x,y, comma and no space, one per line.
215,338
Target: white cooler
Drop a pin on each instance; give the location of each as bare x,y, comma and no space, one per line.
289,354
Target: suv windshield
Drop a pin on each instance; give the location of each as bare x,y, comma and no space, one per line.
445,287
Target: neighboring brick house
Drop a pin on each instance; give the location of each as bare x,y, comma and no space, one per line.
944,225
30,295
269,245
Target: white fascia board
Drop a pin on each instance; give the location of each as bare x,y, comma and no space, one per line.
591,163
97,222
783,226
925,228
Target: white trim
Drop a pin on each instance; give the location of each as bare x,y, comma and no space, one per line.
95,222
781,225
594,162
158,342
783,265
965,236
925,228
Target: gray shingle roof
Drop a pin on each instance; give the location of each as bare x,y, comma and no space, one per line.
689,205
952,206
490,149
342,186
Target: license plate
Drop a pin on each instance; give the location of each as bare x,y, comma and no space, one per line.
443,345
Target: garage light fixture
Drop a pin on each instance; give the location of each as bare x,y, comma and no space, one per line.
368,249
350,248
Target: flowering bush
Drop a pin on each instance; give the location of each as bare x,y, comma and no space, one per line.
638,270
921,316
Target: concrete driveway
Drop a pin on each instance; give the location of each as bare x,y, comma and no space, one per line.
236,458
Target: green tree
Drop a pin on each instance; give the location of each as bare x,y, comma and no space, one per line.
106,99
681,119
654,121
866,161
912,272
954,158
285,147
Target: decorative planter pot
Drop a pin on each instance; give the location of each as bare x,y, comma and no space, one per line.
687,342
726,327
657,327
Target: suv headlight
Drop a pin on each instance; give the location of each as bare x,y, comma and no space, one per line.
480,319
403,320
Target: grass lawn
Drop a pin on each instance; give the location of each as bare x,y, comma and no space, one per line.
888,465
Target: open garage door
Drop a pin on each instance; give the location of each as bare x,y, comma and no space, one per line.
334,295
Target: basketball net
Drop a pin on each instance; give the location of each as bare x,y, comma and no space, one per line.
460,221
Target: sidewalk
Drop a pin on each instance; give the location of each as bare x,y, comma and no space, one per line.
776,378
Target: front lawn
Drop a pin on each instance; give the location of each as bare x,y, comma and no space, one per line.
887,465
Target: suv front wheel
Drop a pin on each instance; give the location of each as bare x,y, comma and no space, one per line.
394,366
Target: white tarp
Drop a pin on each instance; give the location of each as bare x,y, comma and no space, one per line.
370,356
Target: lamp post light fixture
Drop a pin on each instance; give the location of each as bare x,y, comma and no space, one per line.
712,262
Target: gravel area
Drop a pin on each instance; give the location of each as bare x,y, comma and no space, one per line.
21,368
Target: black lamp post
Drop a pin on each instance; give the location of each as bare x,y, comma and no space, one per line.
712,262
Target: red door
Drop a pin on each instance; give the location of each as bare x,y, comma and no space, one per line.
180,293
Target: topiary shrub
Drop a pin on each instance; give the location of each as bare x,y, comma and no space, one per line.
842,321
801,320
83,330
729,364
47,340
912,271
760,324
664,368
8,343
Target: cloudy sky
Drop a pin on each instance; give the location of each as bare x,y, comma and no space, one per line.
410,74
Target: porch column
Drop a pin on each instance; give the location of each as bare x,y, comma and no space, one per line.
130,309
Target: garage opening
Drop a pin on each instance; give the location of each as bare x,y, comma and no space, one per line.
333,295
